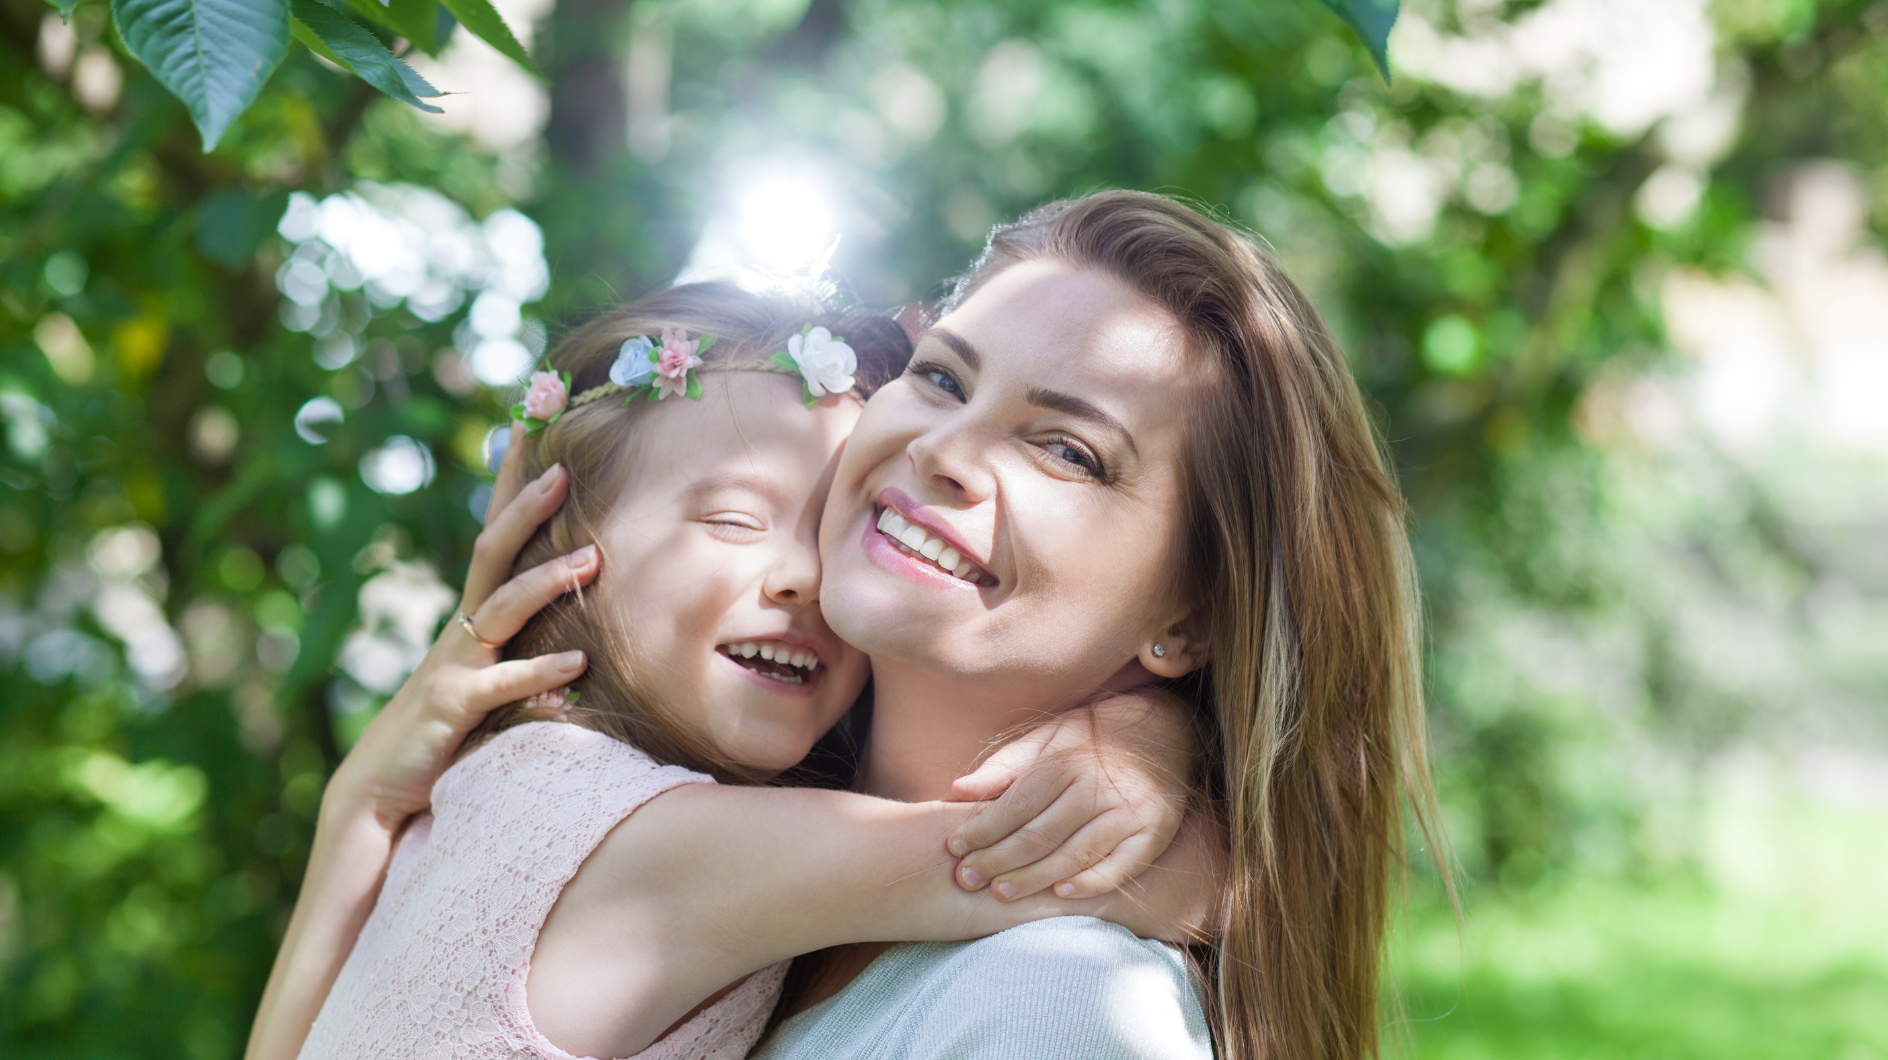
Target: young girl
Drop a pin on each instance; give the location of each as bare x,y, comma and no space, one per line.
536,912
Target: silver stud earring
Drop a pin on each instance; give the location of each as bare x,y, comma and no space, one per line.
1160,651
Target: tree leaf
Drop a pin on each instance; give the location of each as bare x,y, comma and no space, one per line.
65,8
483,20
1372,19
215,55
359,51
415,20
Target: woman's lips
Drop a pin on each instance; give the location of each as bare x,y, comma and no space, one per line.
880,550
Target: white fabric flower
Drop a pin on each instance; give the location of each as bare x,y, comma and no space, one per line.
633,366
826,363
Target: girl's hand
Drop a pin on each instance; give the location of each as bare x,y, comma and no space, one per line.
390,771
1084,802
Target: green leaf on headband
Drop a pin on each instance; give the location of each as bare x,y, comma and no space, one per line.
707,343
694,386
786,362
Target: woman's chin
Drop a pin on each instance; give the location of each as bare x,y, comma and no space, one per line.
879,614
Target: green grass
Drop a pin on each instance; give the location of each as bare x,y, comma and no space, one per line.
1777,949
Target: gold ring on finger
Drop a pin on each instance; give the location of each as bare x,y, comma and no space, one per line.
465,620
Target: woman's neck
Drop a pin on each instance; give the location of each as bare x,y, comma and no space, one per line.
929,728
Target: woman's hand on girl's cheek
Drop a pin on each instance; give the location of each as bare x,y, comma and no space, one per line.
390,771
1083,802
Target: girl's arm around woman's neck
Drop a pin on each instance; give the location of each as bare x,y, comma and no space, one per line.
704,885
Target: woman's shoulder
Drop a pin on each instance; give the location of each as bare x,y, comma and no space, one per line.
1062,987
1086,963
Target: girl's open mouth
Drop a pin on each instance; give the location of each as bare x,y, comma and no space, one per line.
774,659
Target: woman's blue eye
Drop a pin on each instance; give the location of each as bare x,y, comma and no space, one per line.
944,381
1077,456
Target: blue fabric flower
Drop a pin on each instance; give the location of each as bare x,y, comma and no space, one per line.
634,364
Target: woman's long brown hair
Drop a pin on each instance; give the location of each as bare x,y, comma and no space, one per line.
1297,546
596,444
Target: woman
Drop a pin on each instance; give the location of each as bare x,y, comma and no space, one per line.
1133,420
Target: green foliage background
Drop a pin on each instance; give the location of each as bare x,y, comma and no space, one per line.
151,834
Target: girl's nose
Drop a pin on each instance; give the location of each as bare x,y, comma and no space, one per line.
794,577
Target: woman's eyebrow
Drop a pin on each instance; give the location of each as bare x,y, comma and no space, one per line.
1070,405
960,345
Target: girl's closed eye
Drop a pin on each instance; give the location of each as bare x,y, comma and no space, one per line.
733,524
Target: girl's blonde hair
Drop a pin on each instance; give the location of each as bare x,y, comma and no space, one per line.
595,444
1297,550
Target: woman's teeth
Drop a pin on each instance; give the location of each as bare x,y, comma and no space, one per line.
913,539
785,659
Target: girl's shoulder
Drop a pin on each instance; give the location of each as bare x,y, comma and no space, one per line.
556,759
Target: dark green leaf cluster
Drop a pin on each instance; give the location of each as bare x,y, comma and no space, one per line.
216,55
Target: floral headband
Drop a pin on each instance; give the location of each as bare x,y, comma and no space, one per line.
823,361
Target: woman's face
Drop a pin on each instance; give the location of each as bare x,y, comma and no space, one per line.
1036,443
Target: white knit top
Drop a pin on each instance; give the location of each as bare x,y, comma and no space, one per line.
1066,988
440,967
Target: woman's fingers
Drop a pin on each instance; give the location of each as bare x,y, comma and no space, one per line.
1083,850
509,478
507,610
497,547
490,687
1129,859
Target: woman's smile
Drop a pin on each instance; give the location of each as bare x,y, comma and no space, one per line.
927,541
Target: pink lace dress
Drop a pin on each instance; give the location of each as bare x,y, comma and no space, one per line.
440,967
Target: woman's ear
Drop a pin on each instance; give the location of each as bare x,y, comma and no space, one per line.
1180,650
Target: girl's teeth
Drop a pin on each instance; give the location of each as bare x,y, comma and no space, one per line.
775,653
914,538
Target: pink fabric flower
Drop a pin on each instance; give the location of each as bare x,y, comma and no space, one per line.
676,361
547,397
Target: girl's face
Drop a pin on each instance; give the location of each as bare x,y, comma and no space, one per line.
711,558
1035,445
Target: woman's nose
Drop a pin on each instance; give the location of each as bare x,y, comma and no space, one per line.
950,458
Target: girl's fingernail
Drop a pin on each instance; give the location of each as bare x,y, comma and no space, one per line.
1005,890
545,480
1066,890
584,556
970,877
570,662
958,846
